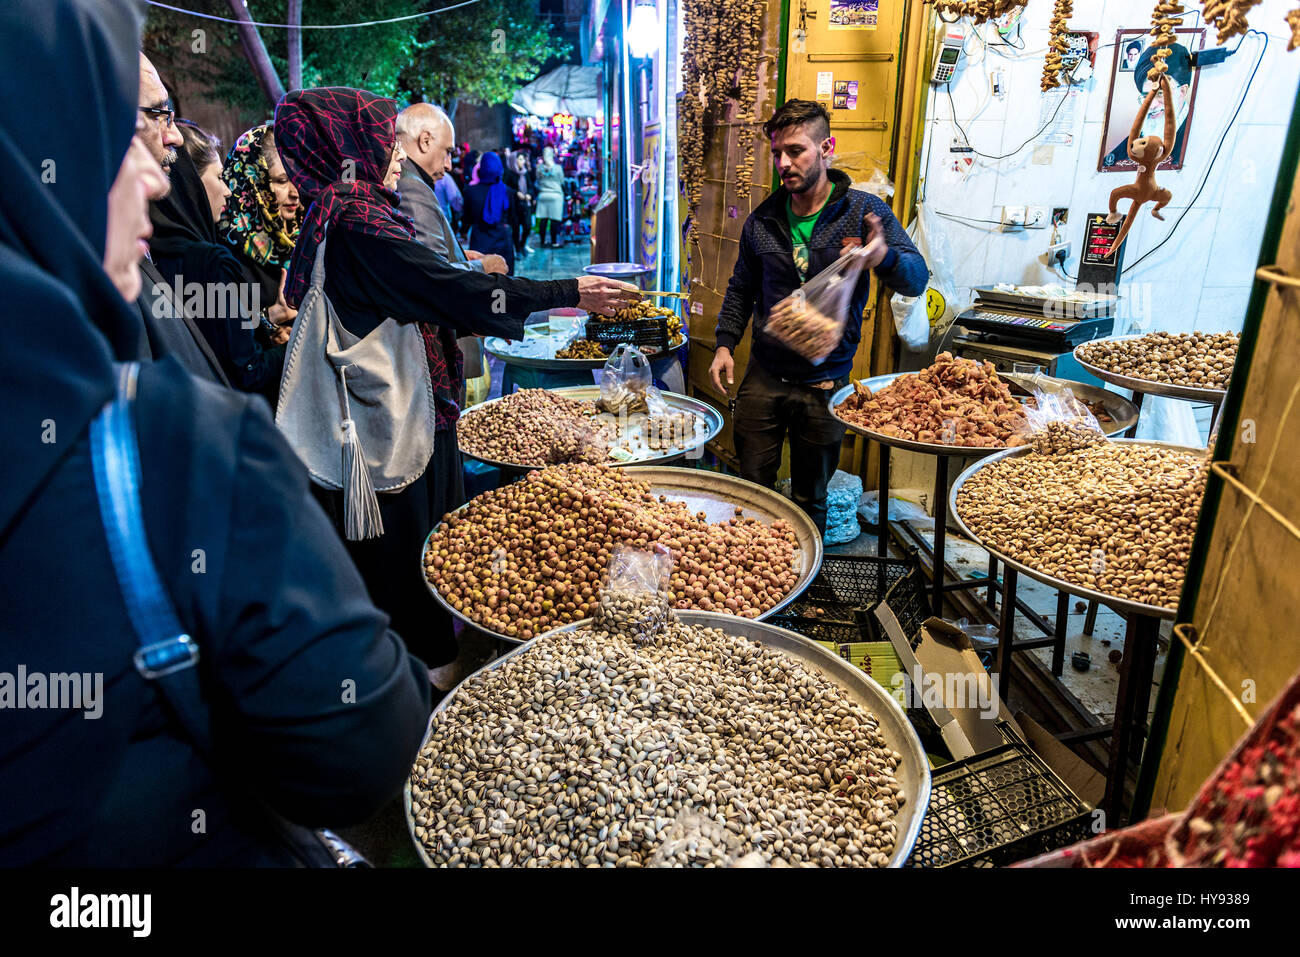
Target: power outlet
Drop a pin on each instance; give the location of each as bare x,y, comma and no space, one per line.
1013,218
1058,253
1036,217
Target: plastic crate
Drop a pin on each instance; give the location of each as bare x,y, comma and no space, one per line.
908,600
997,808
848,587
818,629
651,335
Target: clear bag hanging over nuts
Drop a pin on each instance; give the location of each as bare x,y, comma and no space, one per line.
634,602
1058,422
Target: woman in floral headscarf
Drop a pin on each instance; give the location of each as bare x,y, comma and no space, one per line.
262,215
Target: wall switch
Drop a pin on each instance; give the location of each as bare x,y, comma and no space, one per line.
1013,218
1036,217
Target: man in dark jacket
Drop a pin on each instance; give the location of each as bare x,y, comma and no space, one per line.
801,229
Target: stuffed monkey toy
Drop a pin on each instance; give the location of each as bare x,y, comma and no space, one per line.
1147,152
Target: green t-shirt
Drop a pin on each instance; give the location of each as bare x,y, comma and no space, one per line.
801,228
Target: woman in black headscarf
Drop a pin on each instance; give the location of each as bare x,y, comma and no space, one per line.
187,250
246,559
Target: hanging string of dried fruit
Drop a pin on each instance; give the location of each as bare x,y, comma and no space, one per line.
1228,16
979,11
719,66
1293,20
1057,44
1166,18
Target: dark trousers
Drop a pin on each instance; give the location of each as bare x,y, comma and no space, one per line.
555,230
523,225
768,411
392,565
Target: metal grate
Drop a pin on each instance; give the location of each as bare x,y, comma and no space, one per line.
996,808
848,587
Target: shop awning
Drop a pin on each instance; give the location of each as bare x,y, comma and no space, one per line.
566,89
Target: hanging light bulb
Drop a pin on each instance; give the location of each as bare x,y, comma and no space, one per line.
643,29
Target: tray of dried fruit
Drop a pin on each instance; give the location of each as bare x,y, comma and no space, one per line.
1114,413
912,771
1136,553
558,344
731,506
1085,353
565,425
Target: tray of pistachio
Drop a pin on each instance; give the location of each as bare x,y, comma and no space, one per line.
717,742
534,428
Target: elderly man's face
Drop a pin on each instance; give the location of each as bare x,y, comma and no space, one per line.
160,135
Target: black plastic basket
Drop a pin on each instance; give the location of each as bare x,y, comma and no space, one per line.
819,629
908,600
996,808
649,335
847,589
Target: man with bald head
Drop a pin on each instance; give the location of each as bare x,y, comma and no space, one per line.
427,136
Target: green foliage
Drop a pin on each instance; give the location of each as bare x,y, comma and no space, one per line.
481,53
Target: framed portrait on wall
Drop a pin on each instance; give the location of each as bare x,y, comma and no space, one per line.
1129,86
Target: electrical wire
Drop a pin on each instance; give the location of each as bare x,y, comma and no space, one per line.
1210,166
1052,119
311,26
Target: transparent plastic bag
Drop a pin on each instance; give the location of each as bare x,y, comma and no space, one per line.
634,601
811,320
867,172
1060,423
627,384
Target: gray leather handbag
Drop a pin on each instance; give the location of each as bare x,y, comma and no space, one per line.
358,411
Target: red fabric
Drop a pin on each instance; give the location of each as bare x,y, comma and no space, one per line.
336,144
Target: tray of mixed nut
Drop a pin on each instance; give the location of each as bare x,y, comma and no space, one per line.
534,428
962,407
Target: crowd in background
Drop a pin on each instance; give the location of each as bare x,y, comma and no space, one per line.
552,192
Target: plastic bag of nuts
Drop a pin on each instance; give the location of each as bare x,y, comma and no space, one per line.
626,385
1058,422
634,601
810,321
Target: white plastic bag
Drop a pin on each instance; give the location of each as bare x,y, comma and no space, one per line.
918,317
626,384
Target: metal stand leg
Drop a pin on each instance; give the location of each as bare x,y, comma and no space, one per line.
1006,630
991,598
940,528
1062,622
1090,620
1137,401
1134,696
882,510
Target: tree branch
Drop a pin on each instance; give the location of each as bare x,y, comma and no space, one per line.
267,78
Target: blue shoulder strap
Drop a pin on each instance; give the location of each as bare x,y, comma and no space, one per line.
166,654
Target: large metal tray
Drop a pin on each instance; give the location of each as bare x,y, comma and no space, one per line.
1112,601
710,416
1121,410
496,346
913,770
717,496
1146,386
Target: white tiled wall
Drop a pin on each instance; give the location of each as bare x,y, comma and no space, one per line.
1201,278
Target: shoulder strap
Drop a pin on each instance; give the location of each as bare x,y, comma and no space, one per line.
167,655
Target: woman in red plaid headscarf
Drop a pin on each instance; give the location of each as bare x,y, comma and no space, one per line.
339,148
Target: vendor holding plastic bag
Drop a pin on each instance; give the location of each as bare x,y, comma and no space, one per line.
806,325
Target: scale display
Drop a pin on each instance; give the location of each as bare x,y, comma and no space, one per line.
1097,269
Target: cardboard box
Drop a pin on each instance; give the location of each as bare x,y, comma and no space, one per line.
943,675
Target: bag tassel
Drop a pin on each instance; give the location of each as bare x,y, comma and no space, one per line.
361,517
